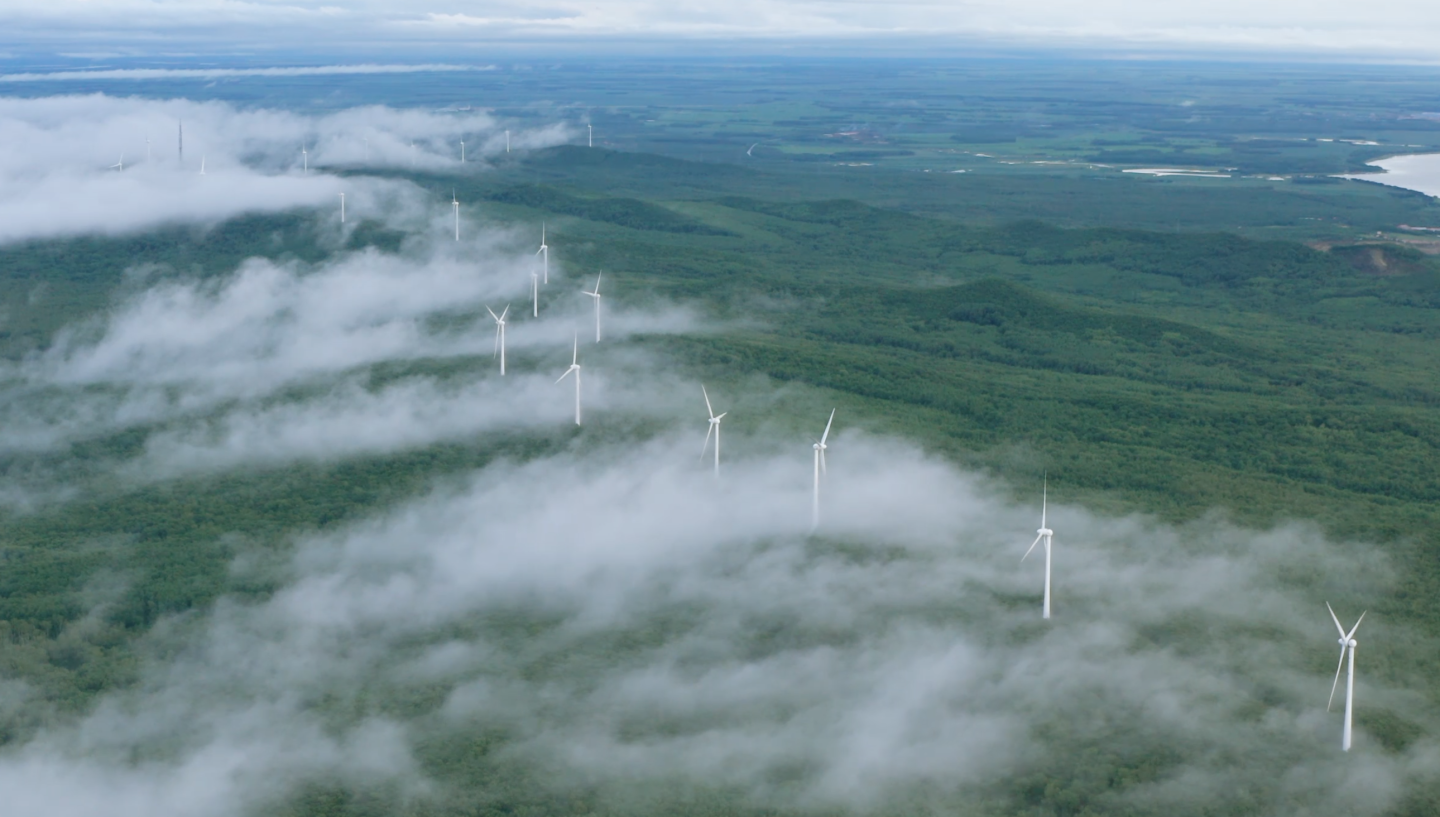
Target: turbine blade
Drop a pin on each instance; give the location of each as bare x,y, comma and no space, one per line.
1336,682
497,341
492,313
1032,547
822,462
1044,499
598,276
1351,634
826,435
575,352
567,373
706,447
503,313
707,401
1335,619
721,415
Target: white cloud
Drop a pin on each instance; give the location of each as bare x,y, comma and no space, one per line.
58,174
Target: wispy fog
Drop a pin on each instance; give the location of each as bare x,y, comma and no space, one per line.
61,172
632,625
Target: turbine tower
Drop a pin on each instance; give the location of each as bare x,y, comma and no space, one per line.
500,335
714,429
305,157
342,208
596,296
1347,644
575,368
534,294
1044,533
462,151
544,252
202,164
507,141
819,447
455,202
592,134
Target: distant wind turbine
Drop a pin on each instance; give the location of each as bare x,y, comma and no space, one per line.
596,296
752,147
819,447
714,429
342,208
507,141
455,202
592,135
575,368
305,157
202,164
500,334
544,252
462,151
120,165
1347,644
1044,533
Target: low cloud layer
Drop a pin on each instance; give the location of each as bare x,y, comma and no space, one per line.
633,626
102,164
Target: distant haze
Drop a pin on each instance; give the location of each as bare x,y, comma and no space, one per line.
112,29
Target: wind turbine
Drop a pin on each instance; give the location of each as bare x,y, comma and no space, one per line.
462,151
752,147
1347,644
544,252
202,164
596,296
305,157
592,134
342,208
456,203
500,334
714,429
1044,533
507,141
574,367
819,447
534,294
120,165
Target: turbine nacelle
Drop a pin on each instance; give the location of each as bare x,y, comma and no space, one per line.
1045,532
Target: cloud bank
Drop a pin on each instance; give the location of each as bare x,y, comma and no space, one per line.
636,630
101,164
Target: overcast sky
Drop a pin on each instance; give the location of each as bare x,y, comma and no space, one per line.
1405,29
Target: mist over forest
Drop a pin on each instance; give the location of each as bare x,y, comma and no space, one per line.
278,537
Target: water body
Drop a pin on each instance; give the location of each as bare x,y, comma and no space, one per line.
1417,171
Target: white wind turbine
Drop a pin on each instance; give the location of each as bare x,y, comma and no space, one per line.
544,252
1347,644
1044,533
120,165
462,151
575,368
819,447
455,202
592,135
507,141
714,429
500,334
596,296
305,158
342,208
